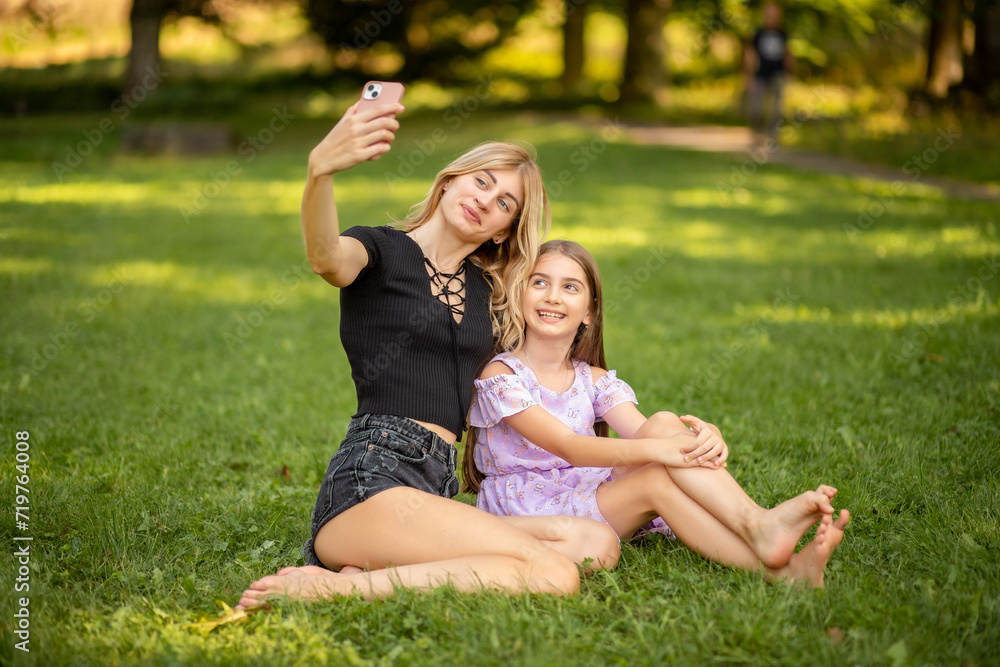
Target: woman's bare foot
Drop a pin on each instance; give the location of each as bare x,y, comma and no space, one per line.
307,583
809,565
311,570
316,571
775,534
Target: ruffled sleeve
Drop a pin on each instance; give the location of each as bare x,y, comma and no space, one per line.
498,397
609,391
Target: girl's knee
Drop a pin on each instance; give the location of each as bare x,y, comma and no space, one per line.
661,424
666,419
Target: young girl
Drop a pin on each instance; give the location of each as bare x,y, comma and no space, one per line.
534,451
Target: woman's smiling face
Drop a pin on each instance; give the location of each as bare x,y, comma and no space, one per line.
482,205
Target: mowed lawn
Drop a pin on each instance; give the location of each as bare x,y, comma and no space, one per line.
178,371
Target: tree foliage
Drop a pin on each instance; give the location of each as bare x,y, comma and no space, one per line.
428,38
853,42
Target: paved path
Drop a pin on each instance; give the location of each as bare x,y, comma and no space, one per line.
739,140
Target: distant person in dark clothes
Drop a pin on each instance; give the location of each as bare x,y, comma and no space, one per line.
767,65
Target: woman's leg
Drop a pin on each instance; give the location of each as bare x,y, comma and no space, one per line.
412,539
589,543
630,501
772,534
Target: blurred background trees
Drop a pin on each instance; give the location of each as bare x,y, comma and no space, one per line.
637,52
416,39
145,22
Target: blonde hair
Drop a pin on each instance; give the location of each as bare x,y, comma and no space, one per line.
507,265
588,345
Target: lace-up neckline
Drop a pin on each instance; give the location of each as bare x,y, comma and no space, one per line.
449,288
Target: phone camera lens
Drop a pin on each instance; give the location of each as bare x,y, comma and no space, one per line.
371,86
375,94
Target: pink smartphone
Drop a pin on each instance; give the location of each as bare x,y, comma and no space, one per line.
380,92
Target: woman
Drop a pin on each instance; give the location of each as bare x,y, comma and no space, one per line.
420,311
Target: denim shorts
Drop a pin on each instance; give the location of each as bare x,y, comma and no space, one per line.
381,452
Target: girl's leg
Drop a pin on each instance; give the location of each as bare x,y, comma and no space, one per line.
412,539
630,501
772,534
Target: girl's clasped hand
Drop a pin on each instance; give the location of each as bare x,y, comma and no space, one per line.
709,448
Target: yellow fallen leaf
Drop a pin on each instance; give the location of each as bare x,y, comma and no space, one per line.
229,615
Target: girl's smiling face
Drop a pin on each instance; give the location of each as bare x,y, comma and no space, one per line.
558,299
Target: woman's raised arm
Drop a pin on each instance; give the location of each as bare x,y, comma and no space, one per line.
356,138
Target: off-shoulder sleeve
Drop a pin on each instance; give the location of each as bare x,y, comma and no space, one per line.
609,391
498,397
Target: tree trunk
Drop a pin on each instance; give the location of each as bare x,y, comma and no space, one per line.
145,20
984,71
944,47
573,45
644,72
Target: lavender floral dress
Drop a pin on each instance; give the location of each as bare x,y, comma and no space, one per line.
522,479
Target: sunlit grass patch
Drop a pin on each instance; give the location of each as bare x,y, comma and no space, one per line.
17,266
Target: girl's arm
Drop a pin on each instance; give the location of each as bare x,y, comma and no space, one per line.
707,445
546,431
359,136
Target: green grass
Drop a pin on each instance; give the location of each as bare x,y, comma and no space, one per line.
955,145
183,385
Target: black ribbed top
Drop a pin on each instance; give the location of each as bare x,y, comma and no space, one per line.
408,355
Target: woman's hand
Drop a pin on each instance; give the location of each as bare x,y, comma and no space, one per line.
356,138
708,449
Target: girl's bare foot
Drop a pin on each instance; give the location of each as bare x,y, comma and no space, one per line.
776,533
809,565
296,583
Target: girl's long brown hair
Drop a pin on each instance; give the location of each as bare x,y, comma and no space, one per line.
588,346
